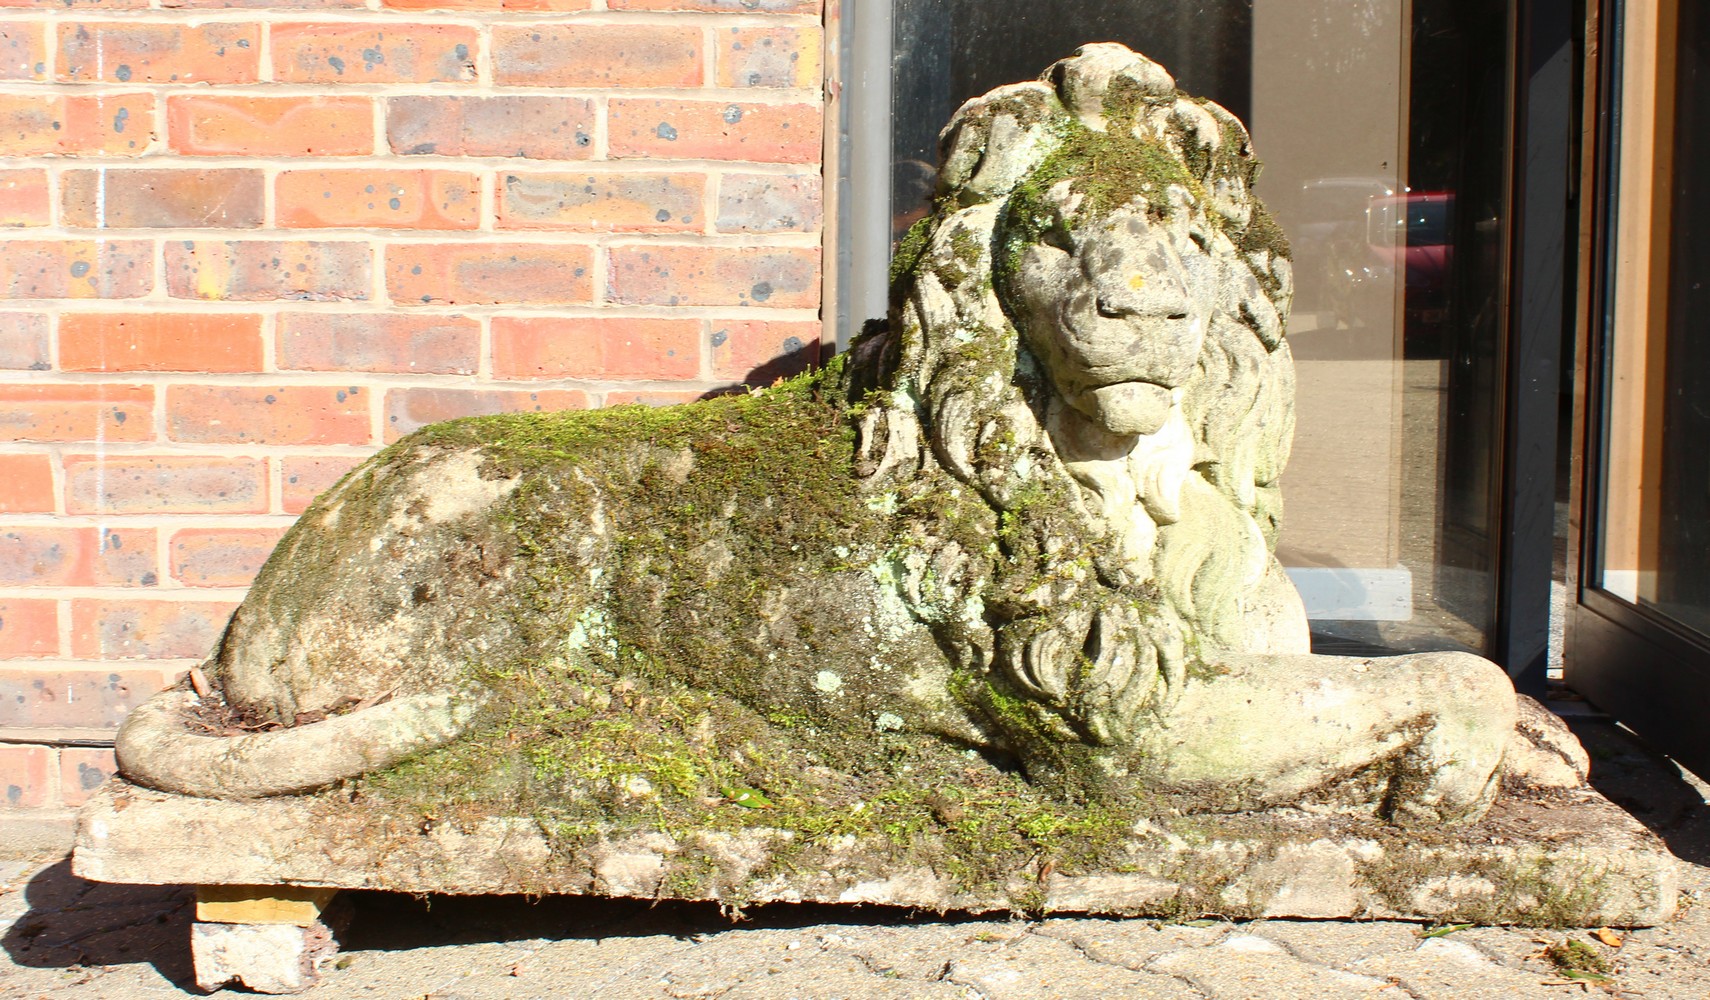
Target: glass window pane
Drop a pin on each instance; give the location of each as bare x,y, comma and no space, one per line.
947,51
1655,537
1381,124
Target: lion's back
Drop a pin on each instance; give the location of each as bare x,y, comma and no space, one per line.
726,543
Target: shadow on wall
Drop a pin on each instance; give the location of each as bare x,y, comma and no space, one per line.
798,356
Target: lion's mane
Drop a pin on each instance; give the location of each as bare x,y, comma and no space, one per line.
948,381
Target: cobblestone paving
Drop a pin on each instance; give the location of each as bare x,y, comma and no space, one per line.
64,937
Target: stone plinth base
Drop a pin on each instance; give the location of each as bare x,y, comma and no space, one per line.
1553,858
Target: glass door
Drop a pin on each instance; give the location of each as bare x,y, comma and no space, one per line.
1639,640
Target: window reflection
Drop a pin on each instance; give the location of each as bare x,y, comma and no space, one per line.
947,51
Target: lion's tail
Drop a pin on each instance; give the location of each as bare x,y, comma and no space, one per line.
158,747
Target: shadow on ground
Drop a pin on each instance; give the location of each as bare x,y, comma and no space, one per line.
73,923
391,921
1649,786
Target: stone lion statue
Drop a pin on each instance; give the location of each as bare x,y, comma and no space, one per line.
1031,518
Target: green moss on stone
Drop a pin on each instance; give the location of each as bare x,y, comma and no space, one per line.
573,759
910,248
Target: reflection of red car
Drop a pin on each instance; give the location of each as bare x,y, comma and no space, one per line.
1411,232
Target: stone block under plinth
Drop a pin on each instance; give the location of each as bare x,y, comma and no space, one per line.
1548,858
266,958
269,938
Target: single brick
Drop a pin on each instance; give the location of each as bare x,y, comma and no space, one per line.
75,699
381,199
81,771
721,6
87,411
302,478
71,124
28,627
46,557
26,776
597,55
24,341
543,128
23,50
759,353
388,342
241,414
76,269
596,348
715,130
160,342
221,557
777,277
601,202
24,198
144,52
26,484
266,270
125,557
164,484
224,125
768,57
398,52
162,198
489,273
77,557
410,409
769,203
154,629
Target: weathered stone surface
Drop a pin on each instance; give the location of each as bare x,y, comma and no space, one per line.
267,958
1562,859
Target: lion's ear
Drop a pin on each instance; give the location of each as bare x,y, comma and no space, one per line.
1100,79
994,142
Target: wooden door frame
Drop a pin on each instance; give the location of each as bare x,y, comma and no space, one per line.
1651,674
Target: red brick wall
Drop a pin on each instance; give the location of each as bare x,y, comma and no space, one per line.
243,243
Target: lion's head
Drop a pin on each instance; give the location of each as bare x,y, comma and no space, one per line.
1089,330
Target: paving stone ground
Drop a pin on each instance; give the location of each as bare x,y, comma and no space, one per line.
61,936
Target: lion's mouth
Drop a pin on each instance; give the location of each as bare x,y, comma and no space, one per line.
1129,407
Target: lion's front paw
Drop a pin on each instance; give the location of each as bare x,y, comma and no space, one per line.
1131,664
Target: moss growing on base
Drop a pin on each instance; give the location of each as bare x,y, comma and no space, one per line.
605,754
